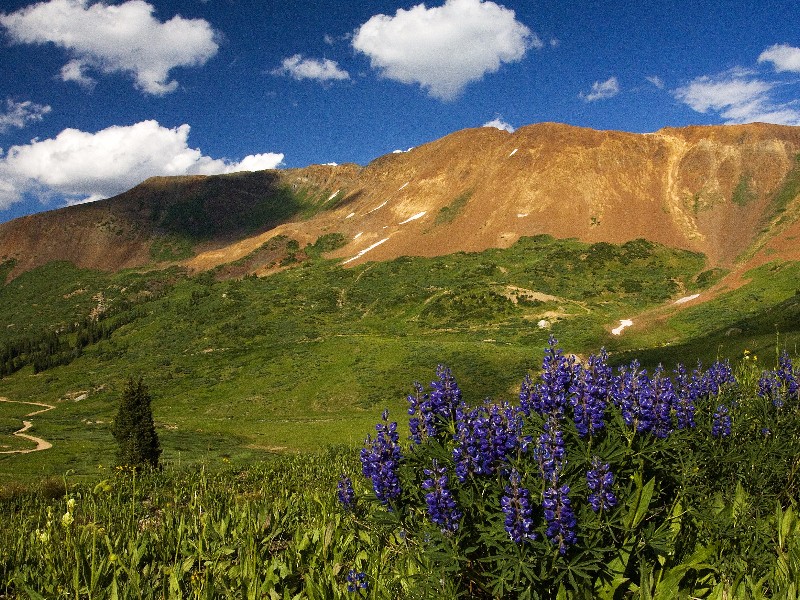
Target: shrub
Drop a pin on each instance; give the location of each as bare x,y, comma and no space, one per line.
595,484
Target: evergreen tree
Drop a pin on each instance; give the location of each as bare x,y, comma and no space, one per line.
134,429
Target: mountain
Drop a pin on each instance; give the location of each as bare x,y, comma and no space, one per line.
730,192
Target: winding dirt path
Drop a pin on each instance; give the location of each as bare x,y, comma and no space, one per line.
40,443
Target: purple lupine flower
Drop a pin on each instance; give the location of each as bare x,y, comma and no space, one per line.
356,581
442,507
550,395
444,400
721,426
717,378
486,437
516,505
770,388
781,384
550,453
505,425
527,395
664,399
416,401
431,413
788,374
560,517
600,480
345,492
380,458
472,453
589,393
686,391
634,396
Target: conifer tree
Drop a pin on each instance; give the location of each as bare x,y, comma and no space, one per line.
134,430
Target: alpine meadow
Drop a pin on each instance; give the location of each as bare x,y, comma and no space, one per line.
557,363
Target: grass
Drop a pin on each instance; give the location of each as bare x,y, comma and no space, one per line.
302,359
273,527
447,214
787,192
760,317
743,194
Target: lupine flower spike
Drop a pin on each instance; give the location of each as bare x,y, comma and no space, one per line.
516,505
345,493
600,481
380,458
721,427
442,507
356,581
560,518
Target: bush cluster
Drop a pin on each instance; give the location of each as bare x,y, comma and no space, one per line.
597,482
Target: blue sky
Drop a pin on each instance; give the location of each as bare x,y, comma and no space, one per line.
95,97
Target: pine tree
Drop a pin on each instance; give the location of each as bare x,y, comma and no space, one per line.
134,430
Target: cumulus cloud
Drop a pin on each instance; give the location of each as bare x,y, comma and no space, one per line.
602,90
444,48
783,57
498,123
300,68
77,166
738,96
19,114
124,38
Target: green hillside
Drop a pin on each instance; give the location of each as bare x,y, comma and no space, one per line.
305,357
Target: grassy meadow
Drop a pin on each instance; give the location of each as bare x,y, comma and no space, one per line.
264,389
299,360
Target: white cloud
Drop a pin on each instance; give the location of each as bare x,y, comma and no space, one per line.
739,96
75,71
19,114
783,57
602,90
107,39
76,165
498,123
310,68
729,89
444,48
656,81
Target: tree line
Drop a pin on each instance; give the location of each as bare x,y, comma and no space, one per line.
47,349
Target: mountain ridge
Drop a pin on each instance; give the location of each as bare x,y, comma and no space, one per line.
728,191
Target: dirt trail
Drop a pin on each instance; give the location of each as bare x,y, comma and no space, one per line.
40,443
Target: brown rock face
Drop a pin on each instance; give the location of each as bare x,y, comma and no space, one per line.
726,191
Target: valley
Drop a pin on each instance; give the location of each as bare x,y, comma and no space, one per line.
276,311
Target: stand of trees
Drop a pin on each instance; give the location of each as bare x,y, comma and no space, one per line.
48,349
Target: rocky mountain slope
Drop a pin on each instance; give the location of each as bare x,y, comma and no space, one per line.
730,192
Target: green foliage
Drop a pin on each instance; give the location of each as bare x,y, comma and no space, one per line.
261,532
5,268
238,203
709,277
466,305
743,193
293,360
788,191
746,318
682,529
694,509
447,214
170,248
329,242
134,430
